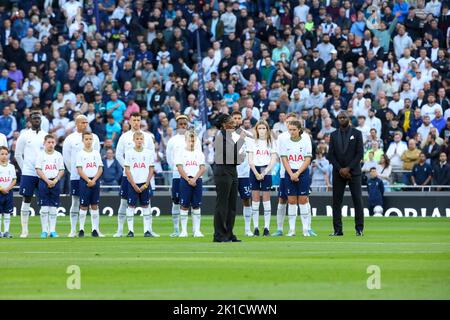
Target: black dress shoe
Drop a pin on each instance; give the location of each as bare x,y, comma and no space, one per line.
217,240
236,240
336,234
359,233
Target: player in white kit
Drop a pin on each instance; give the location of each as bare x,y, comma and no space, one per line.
243,171
124,144
296,154
191,166
29,144
282,194
262,158
50,169
175,144
72,145
7,182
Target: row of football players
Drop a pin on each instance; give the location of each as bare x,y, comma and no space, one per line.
294,150
85,167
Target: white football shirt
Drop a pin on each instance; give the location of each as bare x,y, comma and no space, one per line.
139,163
175,144
297,151
29,144
89,162
126,143
243,170
50,163
72,145
7,175
261,152
190,160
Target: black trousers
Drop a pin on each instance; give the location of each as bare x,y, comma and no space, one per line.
339,184
226,180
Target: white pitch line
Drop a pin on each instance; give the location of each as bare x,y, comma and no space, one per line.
101,253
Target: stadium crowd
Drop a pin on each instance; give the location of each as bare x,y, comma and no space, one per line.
384,62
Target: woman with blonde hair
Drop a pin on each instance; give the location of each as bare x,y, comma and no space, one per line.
261,158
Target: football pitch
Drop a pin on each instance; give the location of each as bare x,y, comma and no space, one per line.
409,258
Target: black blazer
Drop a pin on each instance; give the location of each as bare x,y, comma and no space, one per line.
441,175
349,156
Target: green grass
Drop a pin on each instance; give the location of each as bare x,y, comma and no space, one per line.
413,255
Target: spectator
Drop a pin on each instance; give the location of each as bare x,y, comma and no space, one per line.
421,172
431,150
377,152
384,171
438,122
394,153
115,107
410,157
113,129
8,124
112,171
441,172
368,164
425,128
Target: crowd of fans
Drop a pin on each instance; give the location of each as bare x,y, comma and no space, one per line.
385,62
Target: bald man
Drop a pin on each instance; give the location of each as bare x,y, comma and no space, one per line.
72,145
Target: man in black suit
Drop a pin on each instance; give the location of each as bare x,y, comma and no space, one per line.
345,154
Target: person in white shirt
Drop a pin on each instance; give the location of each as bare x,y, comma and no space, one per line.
283,138
50,170
365,130
71,8
190,163
261,158
401,41
296,154
29,144
359,101
125,143
430,108
434,7
373,122
210,64
90,168
7,182
417,82
176,144
243,171
301,11
425,128
72,145
394,153
396,103
405,61
139,168
3,140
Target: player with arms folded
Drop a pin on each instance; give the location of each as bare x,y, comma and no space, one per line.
7,182
296,154
139,168
191,166
90,168
50,169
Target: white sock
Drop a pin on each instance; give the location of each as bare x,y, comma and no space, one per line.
292,216
281,214
196,218
24,215
184,219
95,220
247,218
309,216
83,214
176,217
267,214
130,219
255,214
304,215
121,215
52,218
6,221
74,212
146,218
44,218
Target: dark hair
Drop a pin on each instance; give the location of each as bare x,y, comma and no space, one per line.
236,112
135,114
223,118
373,168
49,136
4,148
86,134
